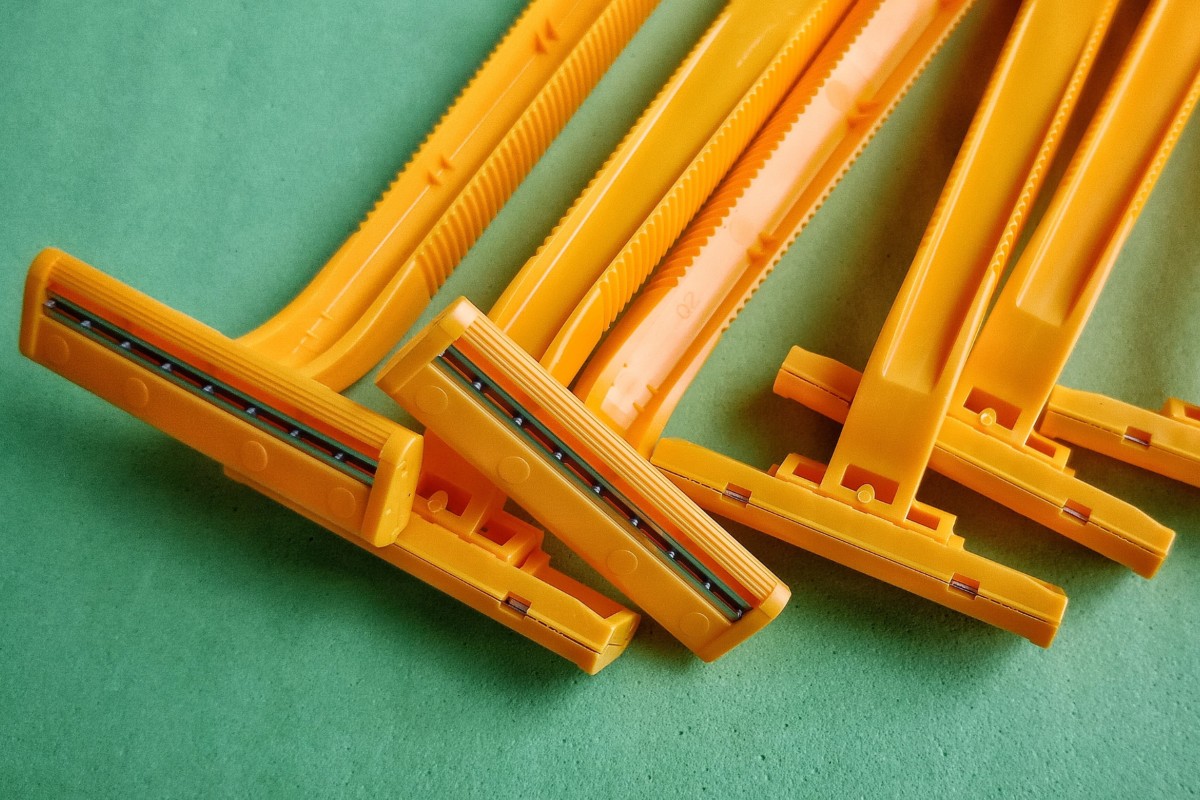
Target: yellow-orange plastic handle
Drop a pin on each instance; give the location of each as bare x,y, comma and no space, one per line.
914,367
1053,288
382,277
646,362
659,175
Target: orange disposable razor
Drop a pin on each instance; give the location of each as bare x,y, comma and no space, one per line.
1166,442
302,444
265,406
987,440
861,509
1042,310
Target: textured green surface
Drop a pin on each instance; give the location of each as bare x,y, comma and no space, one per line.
165,632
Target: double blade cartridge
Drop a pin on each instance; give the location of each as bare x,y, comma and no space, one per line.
491,402
300,442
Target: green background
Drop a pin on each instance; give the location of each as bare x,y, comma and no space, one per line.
166,632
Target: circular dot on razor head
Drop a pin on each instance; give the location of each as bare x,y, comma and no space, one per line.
519,421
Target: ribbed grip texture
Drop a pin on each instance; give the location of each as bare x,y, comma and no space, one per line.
528,140
1045,155
533,271
773,244
1163,154
629,270
724,200
448,117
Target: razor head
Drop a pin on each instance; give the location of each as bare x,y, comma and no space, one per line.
489,400
292,438
502,571
1033,480
923,556
1166,442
